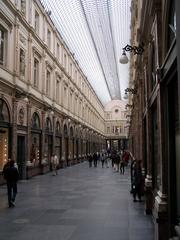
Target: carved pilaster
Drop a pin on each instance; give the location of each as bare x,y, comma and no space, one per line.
28,131
63,152
161,216
42,136
54,134
14,130
29,66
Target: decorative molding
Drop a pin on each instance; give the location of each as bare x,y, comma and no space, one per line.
21,115
22,39
36,52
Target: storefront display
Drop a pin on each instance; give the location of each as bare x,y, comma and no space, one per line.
3,146
35,149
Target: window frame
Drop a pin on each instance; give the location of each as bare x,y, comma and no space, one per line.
37,72
48,82
5,43
49,38
36,25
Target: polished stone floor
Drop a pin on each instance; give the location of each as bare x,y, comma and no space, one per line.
80,203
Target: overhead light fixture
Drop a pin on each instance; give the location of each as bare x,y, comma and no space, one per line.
131,90
128,48
125,96
124,59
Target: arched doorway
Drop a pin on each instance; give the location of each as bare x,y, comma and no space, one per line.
58,139
71,145
66,145
35,154
48,144
4,133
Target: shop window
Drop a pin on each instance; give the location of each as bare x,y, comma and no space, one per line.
3,146
4,133
35,148
3,46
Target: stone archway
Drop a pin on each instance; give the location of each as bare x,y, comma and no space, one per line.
4,133
66,145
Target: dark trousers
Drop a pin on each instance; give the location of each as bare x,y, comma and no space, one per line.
122,168
102,163
95,162
12,191
90,163
137,191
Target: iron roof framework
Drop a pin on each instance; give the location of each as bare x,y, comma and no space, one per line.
96,31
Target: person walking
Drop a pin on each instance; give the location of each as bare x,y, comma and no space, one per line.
107,160
95,158
11,176
121,165
102,159
90,159
54,162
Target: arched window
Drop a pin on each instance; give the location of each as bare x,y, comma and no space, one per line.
48,125
3,45
71,132
35,121
4,112
58,128
65,130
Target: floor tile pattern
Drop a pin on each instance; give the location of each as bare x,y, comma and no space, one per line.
80,203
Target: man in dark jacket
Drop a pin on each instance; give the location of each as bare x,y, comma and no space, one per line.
11,175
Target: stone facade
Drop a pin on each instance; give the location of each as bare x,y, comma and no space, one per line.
154,129
116,125
47,104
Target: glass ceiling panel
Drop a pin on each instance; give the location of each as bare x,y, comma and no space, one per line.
96,31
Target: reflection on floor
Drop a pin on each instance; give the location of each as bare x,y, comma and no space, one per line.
80,203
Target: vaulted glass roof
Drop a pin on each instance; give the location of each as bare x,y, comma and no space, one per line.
96,31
